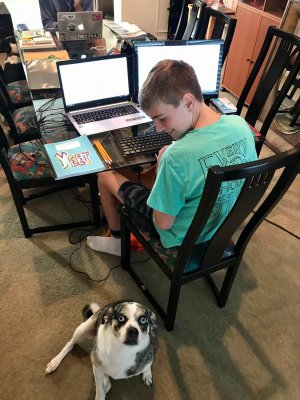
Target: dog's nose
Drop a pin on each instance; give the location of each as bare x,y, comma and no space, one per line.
132,332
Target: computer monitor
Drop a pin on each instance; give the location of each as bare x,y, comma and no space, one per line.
205,56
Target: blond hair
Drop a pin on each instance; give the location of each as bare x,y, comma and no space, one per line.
168,81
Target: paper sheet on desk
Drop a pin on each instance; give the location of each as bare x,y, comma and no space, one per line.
42,74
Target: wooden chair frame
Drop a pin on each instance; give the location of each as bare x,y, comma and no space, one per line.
255,178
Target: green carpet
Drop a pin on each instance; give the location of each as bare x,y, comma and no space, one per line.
247,351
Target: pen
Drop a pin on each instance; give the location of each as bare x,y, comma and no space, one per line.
102,152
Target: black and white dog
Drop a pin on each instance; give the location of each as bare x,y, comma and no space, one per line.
125,343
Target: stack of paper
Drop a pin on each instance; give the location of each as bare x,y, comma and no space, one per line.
126,31
37,39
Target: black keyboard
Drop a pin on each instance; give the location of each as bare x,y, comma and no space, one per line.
136,145
106,113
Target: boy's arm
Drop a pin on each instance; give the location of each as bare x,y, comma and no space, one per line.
163,221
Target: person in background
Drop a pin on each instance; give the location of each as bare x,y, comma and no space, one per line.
50,8
172,97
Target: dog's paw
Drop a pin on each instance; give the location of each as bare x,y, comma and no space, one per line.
147,378
52,365
106,384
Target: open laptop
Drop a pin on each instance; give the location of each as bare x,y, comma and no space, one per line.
96,94
79,25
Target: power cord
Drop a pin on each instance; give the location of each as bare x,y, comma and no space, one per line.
280,227
79,240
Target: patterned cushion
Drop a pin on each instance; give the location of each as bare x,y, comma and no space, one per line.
169,255
59,135
24,119
19,92
29,161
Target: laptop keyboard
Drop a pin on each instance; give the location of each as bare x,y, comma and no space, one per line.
136,145
106,113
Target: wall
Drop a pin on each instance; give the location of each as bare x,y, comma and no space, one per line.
25,11
150,15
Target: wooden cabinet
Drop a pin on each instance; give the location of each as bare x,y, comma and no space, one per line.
251,29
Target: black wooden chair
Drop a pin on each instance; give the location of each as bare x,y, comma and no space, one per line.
26,166
192,23
285,46
190,261
22,121
223,28
17,93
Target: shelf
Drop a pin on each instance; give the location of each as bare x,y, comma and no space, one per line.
273,7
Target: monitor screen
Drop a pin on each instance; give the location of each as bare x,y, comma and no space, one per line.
205,56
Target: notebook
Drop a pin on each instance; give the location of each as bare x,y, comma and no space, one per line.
92,87
79,25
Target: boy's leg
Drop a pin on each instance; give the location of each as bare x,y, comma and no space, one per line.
109,183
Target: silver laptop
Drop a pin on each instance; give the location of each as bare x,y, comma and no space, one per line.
96,94
79,25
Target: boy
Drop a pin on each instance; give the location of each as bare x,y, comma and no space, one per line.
171,96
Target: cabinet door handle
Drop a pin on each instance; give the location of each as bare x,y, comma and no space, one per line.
248,59
251,62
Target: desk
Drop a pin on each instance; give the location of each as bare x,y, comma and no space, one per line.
53,120
49,109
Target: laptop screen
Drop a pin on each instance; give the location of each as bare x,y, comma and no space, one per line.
205,56
95,81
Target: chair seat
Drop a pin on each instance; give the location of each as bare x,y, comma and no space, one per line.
57,136
169,255
19,92
29,161
25,120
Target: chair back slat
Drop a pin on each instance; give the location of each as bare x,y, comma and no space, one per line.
195,19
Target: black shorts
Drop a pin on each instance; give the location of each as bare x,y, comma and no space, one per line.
135,197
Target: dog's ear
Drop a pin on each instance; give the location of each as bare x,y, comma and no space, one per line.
152,322
107,314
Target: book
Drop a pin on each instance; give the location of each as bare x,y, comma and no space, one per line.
126,31
54,54
42,40
224,105
73,157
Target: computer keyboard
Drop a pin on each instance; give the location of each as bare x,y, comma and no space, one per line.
136,145
106,113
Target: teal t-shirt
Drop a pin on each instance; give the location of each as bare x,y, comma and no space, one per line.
182,172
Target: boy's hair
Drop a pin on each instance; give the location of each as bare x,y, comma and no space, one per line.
168,81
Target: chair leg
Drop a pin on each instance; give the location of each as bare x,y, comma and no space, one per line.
172,305
19,204
227,285
125,245
95,203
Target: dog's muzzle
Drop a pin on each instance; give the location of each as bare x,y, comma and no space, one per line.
132,335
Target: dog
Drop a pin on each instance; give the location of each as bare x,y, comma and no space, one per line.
125,342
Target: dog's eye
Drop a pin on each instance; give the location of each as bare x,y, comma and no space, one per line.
143,320
121,318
